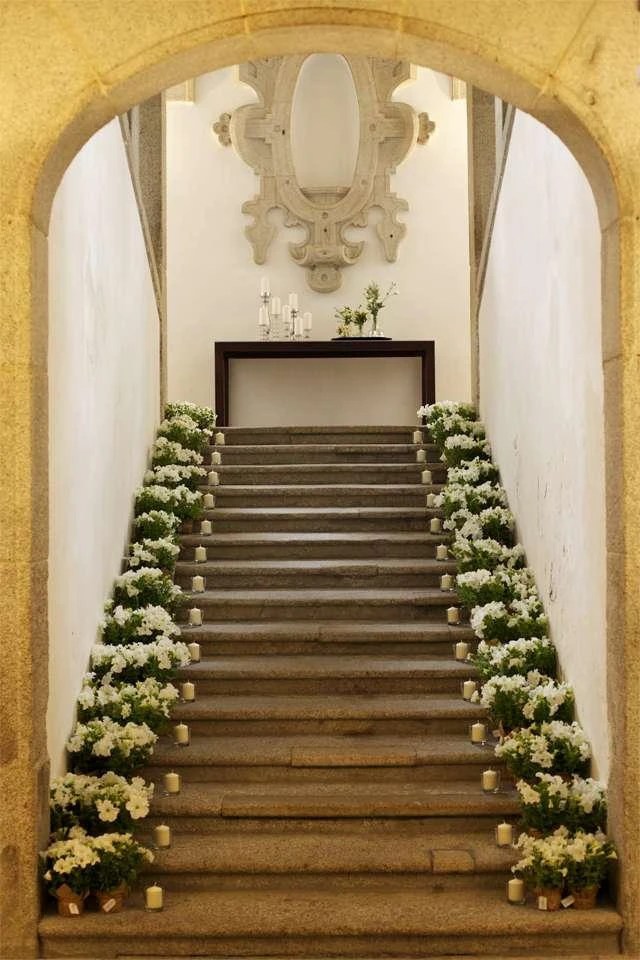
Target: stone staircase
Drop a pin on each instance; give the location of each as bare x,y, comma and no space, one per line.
331,801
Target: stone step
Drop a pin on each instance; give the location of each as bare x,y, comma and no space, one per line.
334,474
330,759
324,604
319,434
319,519
313,574
344,715
310,546
320,495
320,921
325,674
328,453
215,807
321,636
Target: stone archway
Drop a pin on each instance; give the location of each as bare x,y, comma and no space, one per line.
90,61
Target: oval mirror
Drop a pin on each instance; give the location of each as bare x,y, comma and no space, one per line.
325,124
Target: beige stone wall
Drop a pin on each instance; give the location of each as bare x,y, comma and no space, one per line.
87,61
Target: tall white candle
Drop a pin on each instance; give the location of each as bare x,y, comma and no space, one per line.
478,732
460,649
208,501
297,326
515,890
162,835
264,286
442,552
446,582
213,478
200,554
205,528
172,782
453,615
421,456
275,306
293,301
435,525
195,617
490,780
153,898
263,317
216,458
308,320
427,477
219,439
181,734
417,436
197,584
468,689
188,690
286,314
504,835
194,652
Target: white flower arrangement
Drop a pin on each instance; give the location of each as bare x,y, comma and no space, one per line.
473,472
519,701
143,587
463,446
167,452
501,621
180,500
77,799
185,430
135,661
443,408
516,657
154,524
550,802
470,497
175,475
495,523
578,861
125,625
103,744
153,553
205,417
68,862
554,747
486,554
146,701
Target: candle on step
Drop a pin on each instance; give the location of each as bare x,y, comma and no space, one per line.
442,552
431,501
417,436
515,891
205,528
213,478
195,617
427,476
216,458
478,732
469,687
162,835
181,734
421,456
461,650
504,835
264,286
194,651
200,554
490,780
446,582
188,691
153,898
219,439
172,782
435,525
453,615
197,584
208,501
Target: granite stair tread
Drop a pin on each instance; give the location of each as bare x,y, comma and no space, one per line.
371,568
389,538
308,666
327,630
356,596
328,513
309,706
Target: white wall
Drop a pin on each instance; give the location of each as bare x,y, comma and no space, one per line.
213,283
103,403
542,397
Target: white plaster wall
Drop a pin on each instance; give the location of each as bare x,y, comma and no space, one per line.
542,398
103,403
213,283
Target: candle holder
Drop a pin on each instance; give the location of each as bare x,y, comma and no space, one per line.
490,781
187,692
306,325
296,324
435,525
181,735
172,784
442,552
154,899
460,650
446,582
264,328
468,688
516,893
453,617
504,835
162,837
478,734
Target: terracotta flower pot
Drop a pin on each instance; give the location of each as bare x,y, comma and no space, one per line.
585,899
70,903
548,898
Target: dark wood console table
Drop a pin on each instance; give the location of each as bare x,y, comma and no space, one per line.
287,349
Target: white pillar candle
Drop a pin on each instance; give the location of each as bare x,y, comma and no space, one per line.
194,651
172,782
515,890
308,320
188,690
504,835
293,301
468,689
286,314
195,617
442,552
431,500
435,525
478,732
297,326
197,584
417,436
213,478
490,780
427,477
264,286
421,456
446,582
162,835
461,650
208,501
263,317
205,528
216,458
275,306
453,615
219,439
200,554
181,734
153,898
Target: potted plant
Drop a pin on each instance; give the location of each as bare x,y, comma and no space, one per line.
519,701
553,747
145,586
122,625
168,452
145,701
348,317
97,803
155,524
515,657
120,859
67,866
205,417
128,663
185,430
550,802
543,867
588,856
103,744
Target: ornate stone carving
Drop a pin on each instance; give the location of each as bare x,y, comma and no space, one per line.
261,133
221,129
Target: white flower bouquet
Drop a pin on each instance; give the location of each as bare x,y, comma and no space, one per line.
146,701
451,424
120,861
486,554
136,661
175,475
504,584
461,446
492,523
516,657
473,473
90,802
521,701
124,625
550,802
67,864
161,553
167,452
184,430
502,622
184,503
155,524
146,586
470,497
445,408
205,417
102,745
577,862
553,747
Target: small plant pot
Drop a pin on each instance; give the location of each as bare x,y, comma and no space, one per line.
535,833
70,903
548,898
585,899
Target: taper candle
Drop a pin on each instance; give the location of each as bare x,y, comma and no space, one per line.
446,581
172,782
208,501
181,734
442,552
219,439
469,687
200,554
195,617
490,780
504,835
435,525
453,615
153,898
205,528
515,891
216,458
194,651
162,835
213,478
264,286
478,732
427,477
417,436
421,456
461,650
197,584
188,691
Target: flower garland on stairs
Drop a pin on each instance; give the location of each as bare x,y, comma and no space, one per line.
126,699
564,848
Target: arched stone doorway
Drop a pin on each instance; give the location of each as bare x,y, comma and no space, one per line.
572,66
